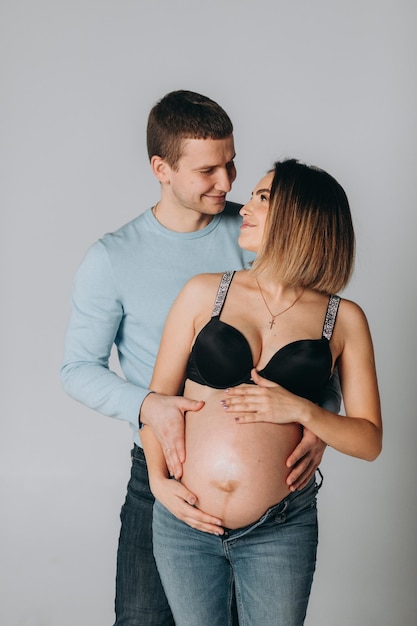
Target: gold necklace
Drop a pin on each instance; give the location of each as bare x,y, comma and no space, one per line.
273,317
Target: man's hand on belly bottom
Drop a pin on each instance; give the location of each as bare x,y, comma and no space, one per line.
182,503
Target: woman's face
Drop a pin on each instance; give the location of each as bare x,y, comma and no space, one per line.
254,215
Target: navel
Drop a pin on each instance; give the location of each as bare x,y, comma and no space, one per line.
228,486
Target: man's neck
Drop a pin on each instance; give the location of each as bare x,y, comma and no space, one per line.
180,219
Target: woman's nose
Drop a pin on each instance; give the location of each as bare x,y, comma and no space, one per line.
244,210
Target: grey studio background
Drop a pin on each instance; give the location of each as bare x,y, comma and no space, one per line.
329,82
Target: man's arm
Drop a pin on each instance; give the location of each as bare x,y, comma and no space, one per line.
96,316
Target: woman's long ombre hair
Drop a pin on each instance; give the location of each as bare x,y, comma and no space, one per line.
309,239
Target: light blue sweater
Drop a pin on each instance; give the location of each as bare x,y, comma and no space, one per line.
122,293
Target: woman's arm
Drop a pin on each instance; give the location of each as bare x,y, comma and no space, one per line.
167,381
359,432
164,409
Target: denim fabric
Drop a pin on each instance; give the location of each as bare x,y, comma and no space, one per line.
269,563
140,599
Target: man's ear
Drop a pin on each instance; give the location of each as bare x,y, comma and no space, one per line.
161,169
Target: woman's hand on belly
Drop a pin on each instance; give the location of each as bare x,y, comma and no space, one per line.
265,402
182,503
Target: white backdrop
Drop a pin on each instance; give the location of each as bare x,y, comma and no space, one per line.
329,82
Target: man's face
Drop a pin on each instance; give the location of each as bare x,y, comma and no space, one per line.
204,175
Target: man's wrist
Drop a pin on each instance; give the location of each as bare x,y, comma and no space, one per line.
141,424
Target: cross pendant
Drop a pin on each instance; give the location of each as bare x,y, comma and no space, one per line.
271,323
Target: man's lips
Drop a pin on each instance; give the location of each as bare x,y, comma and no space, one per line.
216,198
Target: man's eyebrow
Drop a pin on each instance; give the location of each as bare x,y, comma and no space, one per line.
213,165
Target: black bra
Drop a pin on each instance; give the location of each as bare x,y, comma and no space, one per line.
221,356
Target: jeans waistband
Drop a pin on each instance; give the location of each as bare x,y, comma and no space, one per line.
279,508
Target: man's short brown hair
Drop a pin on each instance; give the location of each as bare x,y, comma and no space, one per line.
184,115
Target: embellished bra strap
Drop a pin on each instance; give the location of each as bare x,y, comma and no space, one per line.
222,293
330,319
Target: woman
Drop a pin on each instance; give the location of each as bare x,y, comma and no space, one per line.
277,325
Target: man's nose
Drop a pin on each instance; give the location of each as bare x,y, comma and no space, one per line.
224,180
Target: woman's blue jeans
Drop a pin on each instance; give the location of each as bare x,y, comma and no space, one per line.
268,565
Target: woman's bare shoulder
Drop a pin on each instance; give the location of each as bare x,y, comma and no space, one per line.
351,309
352,317
200,287
201,282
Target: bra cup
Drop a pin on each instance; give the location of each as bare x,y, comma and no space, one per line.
303,367
221,356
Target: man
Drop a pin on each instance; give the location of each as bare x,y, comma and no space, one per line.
122,293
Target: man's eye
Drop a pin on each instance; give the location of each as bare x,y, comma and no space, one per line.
208,171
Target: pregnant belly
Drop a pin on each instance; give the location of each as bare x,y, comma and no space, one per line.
237,471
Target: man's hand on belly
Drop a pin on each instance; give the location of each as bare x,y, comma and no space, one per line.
165,415
304,460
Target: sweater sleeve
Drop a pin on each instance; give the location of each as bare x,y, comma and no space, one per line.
97,312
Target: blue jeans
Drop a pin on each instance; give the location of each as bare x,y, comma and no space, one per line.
269,565
140,598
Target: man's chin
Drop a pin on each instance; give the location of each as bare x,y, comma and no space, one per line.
215,207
